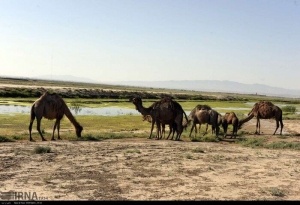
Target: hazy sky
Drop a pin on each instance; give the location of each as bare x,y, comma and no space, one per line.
247,41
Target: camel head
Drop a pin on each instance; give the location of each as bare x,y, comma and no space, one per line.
79,130
137,101
147,118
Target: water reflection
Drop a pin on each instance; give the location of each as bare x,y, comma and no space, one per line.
106,111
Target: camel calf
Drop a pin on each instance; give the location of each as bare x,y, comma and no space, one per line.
230,118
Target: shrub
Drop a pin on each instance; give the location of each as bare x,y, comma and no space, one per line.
40,150
289,108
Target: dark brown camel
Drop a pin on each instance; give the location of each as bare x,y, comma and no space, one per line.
264,110
165,111
230,118
172,128
203,114
213,129
51,106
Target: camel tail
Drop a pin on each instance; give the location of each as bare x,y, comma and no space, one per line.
186,118
32,114
242,121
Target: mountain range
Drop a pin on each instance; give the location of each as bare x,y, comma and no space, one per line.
196,85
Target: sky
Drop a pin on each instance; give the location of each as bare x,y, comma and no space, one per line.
245,41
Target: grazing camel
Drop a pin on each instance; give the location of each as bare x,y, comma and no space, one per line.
203,114
230,118
165,111
213,129
51,106
264,110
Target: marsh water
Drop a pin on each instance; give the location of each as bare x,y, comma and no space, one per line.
106,111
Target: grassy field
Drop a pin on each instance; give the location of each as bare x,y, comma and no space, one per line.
15,127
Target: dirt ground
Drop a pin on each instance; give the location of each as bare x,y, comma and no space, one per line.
148,169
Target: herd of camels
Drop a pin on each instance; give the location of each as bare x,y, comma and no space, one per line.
163,112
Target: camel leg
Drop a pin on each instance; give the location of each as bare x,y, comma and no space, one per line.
158,128
30,129
225,129
171,130
205,130
152,126
192,128
281,127
179,130
217,131
58,128
257,126
39,128
277,126
54,127
163,131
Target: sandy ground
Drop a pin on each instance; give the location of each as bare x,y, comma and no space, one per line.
148,169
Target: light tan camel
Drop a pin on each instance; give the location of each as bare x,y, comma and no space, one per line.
264,110
164,111
230,118
51,106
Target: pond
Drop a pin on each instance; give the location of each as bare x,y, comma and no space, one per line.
106,111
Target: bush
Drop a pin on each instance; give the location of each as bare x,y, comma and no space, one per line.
40,150
289,108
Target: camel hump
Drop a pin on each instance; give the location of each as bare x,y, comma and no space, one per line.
167,102
203,107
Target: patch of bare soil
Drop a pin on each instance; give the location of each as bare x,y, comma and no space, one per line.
148,169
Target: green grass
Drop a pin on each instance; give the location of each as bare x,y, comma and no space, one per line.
251,142
41,150
198,150
276,192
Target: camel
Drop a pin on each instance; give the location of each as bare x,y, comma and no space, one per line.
230,118
51,106
203,114
264,110
165,111
172,127
213,129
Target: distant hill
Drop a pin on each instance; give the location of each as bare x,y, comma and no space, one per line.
196,85
216,86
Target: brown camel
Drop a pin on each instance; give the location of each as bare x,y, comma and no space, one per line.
165,111
172,128
230,118
51,106
264,110
213,129
203,114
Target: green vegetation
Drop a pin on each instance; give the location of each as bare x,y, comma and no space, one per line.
198,150
41,149
276,192
261,143
289,109
97,128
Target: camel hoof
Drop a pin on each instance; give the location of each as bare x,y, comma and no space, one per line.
52,139
44,140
